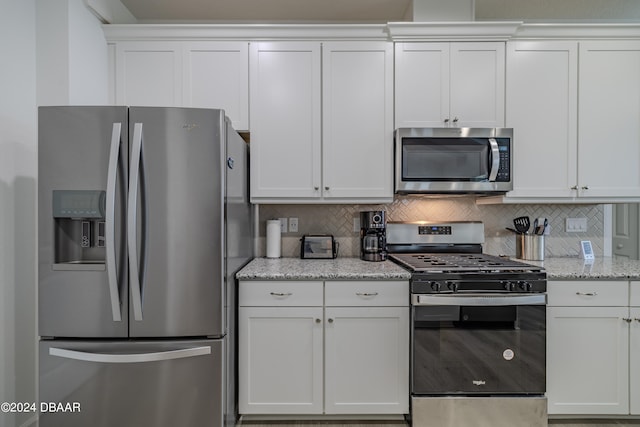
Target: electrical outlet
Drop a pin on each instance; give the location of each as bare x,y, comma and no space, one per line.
293,225
576,225
283,225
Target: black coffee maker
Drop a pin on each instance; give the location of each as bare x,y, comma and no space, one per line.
373,236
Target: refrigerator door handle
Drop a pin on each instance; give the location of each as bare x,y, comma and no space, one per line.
130,358
110,234
132,216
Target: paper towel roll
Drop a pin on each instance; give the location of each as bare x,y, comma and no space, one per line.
273,238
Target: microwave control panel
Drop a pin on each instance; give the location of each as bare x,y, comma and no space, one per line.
504,170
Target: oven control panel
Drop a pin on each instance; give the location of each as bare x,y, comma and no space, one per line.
434,229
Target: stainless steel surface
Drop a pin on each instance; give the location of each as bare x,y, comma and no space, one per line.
479,411
74,299
483,300
530,247
162,392
495,159
181,223
462,232
135,280
456,186
110,220
190,230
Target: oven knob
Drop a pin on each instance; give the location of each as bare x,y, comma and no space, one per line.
508,286
435,286
453,286
525,286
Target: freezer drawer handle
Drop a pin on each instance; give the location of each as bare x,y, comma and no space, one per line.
110,233
130,358
132,216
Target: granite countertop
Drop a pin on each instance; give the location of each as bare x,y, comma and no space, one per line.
558,268
602,268
321,269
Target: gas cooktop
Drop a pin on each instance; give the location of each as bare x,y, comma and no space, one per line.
463,262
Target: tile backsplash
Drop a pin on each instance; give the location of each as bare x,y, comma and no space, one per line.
339,221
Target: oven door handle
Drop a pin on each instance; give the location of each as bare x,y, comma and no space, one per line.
479,300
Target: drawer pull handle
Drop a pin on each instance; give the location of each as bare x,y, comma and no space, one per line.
366,294
628,320
281,294
587,294
636,319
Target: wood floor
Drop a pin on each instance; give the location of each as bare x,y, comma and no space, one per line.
552,423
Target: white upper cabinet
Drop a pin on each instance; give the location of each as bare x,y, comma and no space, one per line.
609,119
184,74
542,95
450,84
149,74
321,133
285,120
216,75
357,128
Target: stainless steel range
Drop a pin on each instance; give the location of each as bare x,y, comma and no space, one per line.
478,354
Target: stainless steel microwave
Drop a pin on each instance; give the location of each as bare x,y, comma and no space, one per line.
453,160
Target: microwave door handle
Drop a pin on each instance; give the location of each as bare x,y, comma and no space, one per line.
495,159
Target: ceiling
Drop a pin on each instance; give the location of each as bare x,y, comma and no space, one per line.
269,10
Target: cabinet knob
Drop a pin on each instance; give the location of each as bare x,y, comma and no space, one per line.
585,187
318,320
619,246
330,320
326,188
575,187
628,320
455,120
316,188
636,319
446,121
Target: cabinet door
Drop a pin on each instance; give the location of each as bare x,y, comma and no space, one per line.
357,127
216,75
285,120
280,360
477,84
542,106
609,108
367,360
587,360
634,361
149,74
421,84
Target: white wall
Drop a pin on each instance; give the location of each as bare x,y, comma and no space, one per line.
53,52
17,205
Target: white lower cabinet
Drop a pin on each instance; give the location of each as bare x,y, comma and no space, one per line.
593,345
348,355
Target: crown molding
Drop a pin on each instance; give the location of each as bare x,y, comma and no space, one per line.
454,31
578,31
253,32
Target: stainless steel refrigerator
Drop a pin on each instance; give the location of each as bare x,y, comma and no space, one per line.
144,218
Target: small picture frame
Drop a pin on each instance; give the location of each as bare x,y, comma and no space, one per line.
586,250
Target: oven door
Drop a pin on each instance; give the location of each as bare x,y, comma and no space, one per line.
479,345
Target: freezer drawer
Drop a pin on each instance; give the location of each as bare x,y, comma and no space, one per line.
133,384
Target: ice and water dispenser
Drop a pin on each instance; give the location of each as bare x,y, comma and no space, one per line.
79,229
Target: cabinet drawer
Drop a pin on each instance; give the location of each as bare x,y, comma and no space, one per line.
276,293
367,293
588,293
634,294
